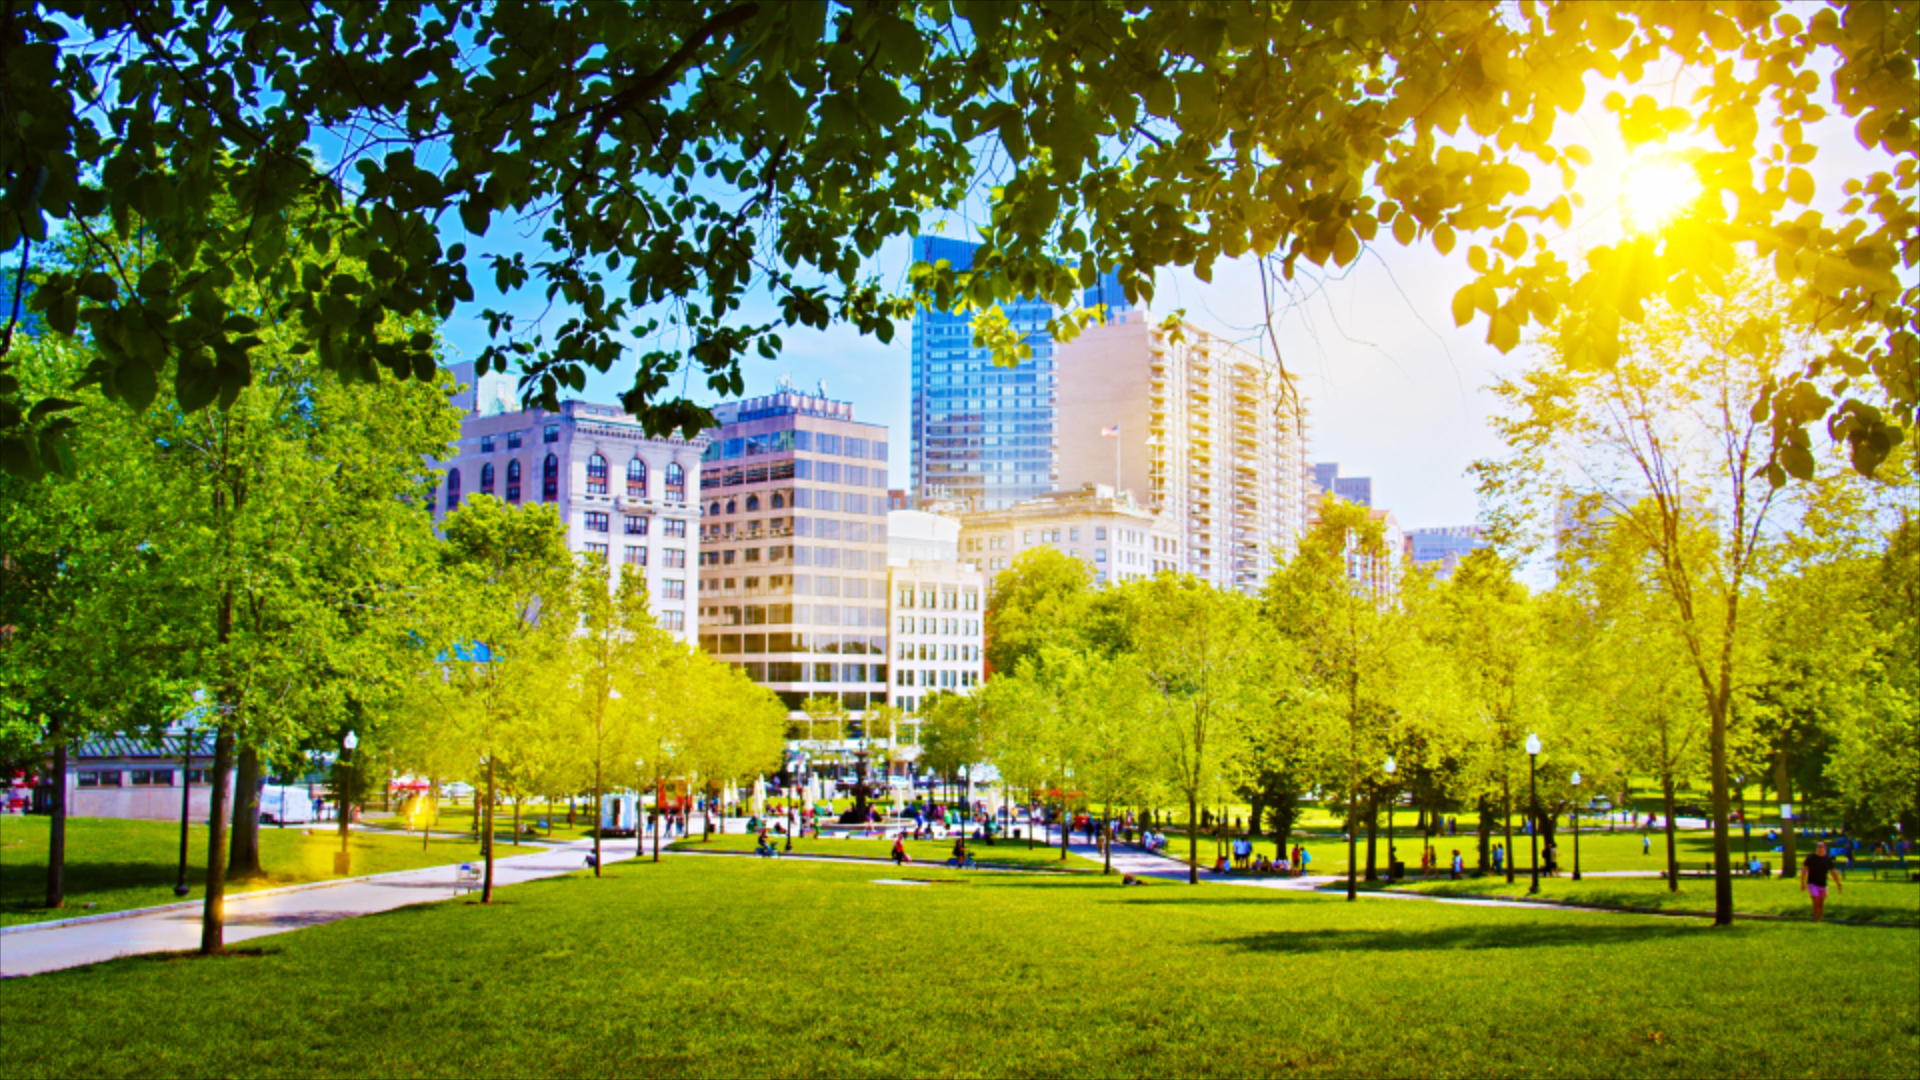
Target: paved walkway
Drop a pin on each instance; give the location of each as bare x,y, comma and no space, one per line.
30,950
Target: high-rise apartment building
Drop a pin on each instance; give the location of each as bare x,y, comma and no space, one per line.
1204,432
793,566
621,494
1108,530
936,606
984,435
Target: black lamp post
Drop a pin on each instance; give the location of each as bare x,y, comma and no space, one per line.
1576,825
343,862
1390,767
180,887
1533,796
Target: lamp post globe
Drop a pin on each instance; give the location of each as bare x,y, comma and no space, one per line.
1533,800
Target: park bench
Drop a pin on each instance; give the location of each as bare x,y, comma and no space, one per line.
466,878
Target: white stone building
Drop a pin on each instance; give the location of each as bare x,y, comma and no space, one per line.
936,610
1112,532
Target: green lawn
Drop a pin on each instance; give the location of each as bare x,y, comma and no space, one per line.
115,864
711,967
452,819
1859,898
1008,853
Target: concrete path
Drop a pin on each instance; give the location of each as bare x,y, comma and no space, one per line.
30,950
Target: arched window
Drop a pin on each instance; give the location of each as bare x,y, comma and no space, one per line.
453,489
714,510
732,507
596,475
753,503
550,479
513,481
676,483
778,502
486,478
636,479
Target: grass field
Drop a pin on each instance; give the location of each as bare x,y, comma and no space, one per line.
1005,853
1859,898
115,864
711,967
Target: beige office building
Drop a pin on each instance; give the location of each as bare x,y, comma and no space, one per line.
1196,428
1109,530
936,610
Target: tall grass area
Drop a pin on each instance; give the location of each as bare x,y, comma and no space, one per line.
115,864
737,967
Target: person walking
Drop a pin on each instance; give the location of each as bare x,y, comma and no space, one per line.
1458,867
1814,871
900,850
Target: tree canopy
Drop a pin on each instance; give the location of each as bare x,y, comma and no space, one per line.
677,159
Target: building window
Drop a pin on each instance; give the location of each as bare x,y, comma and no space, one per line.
513,440
100,778
550,433
675,621
153,778
753,503
550,478
453,489
636,479
1099,555
486,444
636,525
598,551
676,482
596,475
673,589
676,527
1074,534
732,507
676,557
779,501
636,556
1099,532
598,522
513,480
486,478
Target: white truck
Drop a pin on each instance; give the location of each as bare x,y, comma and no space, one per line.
285,805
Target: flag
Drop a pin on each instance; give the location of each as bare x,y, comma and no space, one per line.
1110,432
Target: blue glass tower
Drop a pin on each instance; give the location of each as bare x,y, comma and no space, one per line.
981,433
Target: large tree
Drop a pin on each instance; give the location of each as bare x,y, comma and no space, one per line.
1665,444
667,150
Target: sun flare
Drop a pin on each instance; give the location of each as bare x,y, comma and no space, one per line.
1656,190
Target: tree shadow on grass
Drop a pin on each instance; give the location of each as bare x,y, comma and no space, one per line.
1503,936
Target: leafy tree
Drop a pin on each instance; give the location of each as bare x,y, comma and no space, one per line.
1016,718
614,663
1042,596
666,149
735,728
1350,647
508,562
1666,443
1107,723
1206,657
951,733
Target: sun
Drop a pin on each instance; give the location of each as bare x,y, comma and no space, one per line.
1656,190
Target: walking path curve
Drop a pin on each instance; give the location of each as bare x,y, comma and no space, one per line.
32,949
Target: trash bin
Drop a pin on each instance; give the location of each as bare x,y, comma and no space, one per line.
1397,870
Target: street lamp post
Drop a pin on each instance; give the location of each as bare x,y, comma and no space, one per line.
180,887
1533,797
1576,825
343,862
1390,767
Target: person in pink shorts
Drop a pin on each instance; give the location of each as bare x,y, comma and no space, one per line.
1814,872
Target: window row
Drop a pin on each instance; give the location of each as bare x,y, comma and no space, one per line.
907,624
947,598
800,642
113,778
796,671
808,442
948,679
930,650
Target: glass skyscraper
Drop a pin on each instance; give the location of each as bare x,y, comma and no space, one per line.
984,434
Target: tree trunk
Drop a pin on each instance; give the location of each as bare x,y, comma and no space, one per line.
1254,813
1783,791
1106,842
1485,830
57,824
1193,839
1353,843
212,918
1673,859
1722,842
1506,823
659,812
243,850
599,816
486,836
426,817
